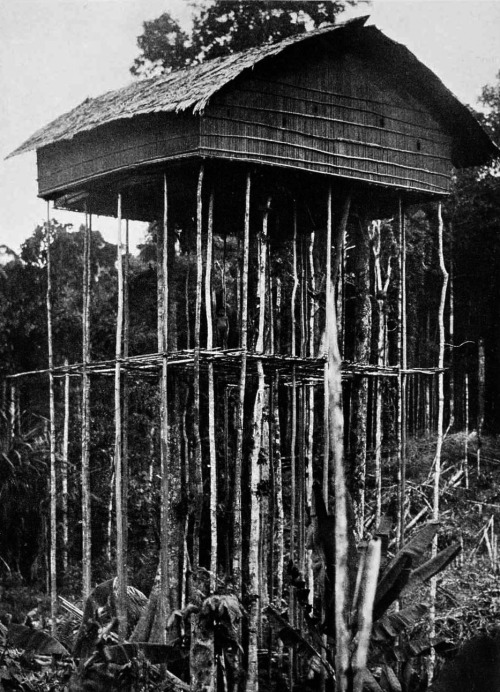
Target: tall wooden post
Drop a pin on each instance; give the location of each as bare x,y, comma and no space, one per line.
336,433
440,421
64,469
86,507
125,397
211,399
252,683
161,620
237,533
196,385
402,366
52,439
121,609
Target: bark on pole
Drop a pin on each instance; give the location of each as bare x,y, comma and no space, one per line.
440,427
381,287
451,337
466,446
121,610
211,400
125,396
86,507
197,471
480,398
158,633
359,395
252,682
365,613
402,366
336,433
237,533
278,482
64,469
52,439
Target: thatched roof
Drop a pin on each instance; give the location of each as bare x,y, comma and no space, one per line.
191,89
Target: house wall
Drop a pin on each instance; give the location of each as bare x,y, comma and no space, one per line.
332,114
338,116
121,145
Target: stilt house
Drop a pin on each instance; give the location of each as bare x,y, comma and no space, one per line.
248,162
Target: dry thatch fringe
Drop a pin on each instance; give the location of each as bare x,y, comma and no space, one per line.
186,89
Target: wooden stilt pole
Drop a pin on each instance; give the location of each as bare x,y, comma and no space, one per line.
198,481
125,395
336,432
12,410
439,442
64,470
402,378
159,633
86,506
237,535
211,400
466,449
52,438
121,609
252,683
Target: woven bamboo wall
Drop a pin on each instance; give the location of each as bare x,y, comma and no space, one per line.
119,146
337,116
334,115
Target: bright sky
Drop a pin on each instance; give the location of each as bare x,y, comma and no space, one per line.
55,53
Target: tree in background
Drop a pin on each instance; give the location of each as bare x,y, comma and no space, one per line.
474,212
225,27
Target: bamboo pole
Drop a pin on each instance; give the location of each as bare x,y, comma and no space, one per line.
336,433
121,609
211,399
52,439
440,421
64,470
237,534
86,505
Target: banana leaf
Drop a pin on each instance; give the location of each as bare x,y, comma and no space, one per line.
388,627
435,565
35,641
397,573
